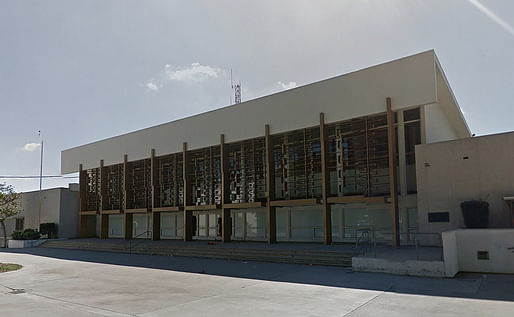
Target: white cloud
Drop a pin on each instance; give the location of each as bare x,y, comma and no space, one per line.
31,147
151,85
288,85
195,73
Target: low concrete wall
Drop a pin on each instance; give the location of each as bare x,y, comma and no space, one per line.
409,267
18,244
462,249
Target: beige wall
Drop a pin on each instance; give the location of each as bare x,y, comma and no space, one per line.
437,125
409,81
445,178
58,205
461,247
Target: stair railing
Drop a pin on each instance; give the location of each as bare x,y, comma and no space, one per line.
366,235
139,235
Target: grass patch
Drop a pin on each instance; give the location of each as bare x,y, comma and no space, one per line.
6,267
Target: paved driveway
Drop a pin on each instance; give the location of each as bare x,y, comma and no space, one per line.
83,283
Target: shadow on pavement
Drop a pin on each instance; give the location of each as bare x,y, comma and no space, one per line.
469,285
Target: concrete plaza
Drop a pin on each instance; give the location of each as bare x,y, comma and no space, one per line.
56,282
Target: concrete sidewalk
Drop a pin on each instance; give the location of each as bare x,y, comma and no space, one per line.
82,283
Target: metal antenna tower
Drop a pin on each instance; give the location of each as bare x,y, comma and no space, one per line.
237,89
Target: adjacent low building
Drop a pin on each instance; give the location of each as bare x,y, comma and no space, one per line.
323,162
478,168
58,205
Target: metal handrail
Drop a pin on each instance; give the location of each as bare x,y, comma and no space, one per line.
130,241
366,234
416,240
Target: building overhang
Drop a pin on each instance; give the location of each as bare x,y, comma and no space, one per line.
410,81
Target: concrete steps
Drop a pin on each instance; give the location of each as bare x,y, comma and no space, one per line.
242,253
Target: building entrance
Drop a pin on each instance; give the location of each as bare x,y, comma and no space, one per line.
207,225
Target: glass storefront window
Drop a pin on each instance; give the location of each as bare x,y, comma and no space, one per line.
249,224
141,226
115,226
299,223
172,225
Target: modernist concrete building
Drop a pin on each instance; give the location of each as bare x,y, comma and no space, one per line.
314,163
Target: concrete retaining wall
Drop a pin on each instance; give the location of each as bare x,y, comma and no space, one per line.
463,247
409,267
18,244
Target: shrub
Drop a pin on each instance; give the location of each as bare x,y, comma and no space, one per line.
17,235
27,234
31,234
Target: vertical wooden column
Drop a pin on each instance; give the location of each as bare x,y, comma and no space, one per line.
271,211
393,187
127,226
325,181
156,216
226,223
188,214
104,226
104,219
82,189
402,160
82,203
127,217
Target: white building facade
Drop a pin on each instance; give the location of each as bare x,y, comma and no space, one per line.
315,163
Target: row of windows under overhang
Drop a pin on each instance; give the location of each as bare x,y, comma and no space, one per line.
299,224
358,164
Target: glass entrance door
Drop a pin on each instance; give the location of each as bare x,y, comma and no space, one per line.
208,225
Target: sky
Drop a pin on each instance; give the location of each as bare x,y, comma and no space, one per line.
82,71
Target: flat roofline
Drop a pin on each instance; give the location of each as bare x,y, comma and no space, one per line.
468,138
47,189
263,97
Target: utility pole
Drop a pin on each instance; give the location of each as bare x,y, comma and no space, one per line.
40,180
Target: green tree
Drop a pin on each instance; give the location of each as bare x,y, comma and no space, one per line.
9,206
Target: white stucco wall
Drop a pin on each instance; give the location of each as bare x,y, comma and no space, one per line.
58,205
461,247
409,81
437,125
466,169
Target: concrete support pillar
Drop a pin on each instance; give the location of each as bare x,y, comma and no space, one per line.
422,125
270,188
325,182
393,187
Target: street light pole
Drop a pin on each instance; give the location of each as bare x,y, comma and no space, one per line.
40,181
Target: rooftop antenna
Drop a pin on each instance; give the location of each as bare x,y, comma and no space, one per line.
237,90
